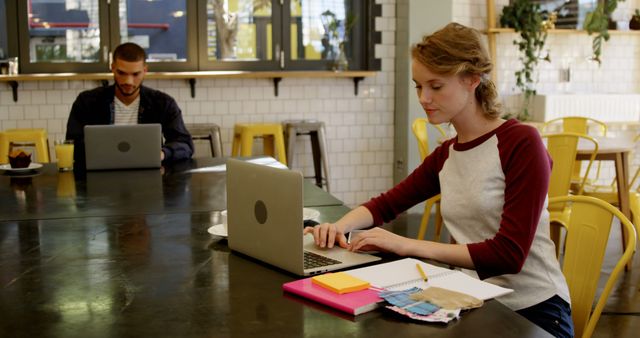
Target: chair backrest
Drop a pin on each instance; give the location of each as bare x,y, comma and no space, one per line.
563,148
33,139
585,246
632,184
577,124
419,128
581,125
206,139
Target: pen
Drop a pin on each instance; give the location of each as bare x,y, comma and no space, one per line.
424,275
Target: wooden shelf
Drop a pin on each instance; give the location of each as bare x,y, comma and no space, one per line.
276,76
189,75
562,31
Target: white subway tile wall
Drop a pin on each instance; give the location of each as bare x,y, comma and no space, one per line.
619,72
359,128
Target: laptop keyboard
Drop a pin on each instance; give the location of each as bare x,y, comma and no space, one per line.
312,260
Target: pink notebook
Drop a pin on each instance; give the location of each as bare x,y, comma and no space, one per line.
354,303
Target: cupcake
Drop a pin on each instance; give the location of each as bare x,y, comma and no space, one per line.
19,159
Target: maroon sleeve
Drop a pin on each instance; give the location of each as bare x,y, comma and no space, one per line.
420,185
527,166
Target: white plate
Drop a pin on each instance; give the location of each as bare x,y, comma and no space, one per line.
310,214
32,166
218,230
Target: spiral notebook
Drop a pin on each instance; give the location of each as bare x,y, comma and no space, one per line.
403,274
394,276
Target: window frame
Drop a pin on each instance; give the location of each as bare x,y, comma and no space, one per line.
167,66
262,65
109,22
361,56
26,66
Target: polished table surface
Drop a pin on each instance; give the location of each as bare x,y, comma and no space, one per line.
150,268
191,186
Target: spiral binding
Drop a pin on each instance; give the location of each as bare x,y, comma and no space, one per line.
418,281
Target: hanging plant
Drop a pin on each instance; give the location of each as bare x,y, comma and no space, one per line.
597,22
527,20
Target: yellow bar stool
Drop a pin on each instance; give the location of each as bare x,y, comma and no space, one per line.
36,138
271,133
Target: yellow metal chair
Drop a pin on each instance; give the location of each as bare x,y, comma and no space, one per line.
419,128
562,148
609,192
33,138
272,135
580,125
587,235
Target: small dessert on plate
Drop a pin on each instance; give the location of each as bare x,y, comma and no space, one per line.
19,159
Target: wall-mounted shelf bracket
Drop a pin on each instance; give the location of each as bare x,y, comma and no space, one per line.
356,81
276,81
192,84
14,88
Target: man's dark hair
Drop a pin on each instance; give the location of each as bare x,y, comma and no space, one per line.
129,52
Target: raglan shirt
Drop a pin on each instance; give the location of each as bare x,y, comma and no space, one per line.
494,200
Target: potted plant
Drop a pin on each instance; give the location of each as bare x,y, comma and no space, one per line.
634,23
597,22
335,37
526,19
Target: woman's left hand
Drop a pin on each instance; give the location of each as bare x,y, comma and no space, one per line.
378,239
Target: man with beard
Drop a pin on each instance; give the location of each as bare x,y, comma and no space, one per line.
127,101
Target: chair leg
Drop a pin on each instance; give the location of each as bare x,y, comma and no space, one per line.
323,154
267,145
216,143
291,144
315,150
438,222
634,204
279,145
235,146
554,233
424,223
246,141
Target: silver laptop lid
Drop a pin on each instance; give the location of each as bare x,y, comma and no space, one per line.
264,217
264,213
122,146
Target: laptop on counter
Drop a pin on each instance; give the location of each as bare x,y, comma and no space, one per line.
122,146
264,217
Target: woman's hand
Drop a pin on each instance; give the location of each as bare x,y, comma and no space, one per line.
327,234
378,239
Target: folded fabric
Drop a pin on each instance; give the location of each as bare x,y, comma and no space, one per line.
446,299
402,299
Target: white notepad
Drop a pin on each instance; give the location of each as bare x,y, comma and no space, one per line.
403,274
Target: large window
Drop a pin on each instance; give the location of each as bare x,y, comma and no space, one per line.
325,33
4,44
159,27
180,35
62,31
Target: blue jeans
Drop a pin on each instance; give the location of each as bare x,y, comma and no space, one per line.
553,315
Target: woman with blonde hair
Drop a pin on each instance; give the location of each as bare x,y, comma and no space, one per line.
493,178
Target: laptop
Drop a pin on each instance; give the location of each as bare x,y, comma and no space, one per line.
122,146
264,217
